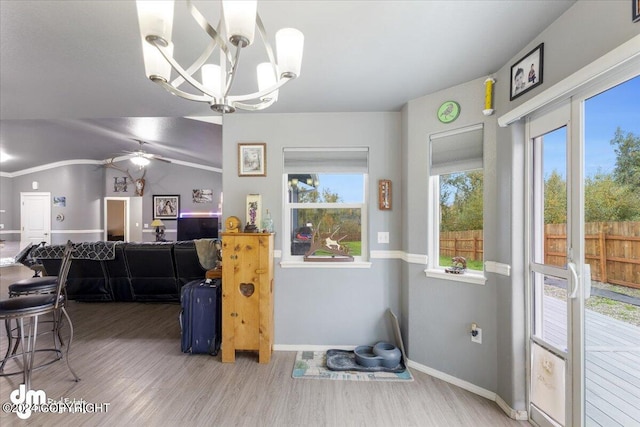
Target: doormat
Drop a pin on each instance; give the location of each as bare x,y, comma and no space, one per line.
313,365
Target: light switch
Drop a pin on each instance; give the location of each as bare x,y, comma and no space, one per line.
383,237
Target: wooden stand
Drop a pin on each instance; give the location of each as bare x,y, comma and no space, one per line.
247,294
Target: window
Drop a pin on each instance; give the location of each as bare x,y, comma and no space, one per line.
456,183
325,197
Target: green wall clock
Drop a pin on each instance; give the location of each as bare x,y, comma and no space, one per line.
448,111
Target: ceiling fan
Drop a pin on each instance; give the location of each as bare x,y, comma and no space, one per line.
141,158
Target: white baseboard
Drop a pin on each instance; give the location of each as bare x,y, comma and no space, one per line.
510,412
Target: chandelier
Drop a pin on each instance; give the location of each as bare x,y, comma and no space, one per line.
236,28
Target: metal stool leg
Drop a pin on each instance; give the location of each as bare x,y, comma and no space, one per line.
69,343
7,325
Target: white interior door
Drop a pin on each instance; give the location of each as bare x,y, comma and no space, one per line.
35,218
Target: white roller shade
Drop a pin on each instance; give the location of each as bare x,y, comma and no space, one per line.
457,151
326,160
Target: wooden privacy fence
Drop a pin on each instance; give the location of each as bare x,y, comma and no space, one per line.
468,244
612,249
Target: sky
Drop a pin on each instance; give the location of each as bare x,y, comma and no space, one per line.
617,107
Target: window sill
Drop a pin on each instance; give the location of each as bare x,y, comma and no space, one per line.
475,278
302,264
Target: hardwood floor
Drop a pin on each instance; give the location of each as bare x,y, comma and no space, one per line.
128,355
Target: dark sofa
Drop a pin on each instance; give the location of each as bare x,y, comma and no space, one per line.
127,271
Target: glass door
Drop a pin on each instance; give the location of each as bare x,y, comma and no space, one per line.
583,249
611,215
552,269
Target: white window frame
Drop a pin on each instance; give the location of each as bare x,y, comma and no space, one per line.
434,215
297,261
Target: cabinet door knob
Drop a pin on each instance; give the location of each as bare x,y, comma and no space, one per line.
234,314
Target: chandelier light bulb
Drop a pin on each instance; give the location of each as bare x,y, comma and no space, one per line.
156,19
155,66
289,46
211,78
240,20
266,79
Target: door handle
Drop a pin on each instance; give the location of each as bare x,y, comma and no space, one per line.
574,282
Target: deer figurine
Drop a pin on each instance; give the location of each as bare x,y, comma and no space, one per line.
139,183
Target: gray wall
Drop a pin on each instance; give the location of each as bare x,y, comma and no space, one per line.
324,306
6,211
82,185
85,186
440,312
168,179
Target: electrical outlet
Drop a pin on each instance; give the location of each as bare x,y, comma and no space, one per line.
383,237
478,338
1,226
146,226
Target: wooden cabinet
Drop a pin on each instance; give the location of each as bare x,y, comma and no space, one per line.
247,294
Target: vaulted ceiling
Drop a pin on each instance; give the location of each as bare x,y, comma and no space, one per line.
72,79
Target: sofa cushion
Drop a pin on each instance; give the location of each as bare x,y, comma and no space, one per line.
152,272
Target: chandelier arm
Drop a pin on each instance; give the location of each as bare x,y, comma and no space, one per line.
204,24
255,107
232,72
196,64
263,34
183,94
260,94
193,82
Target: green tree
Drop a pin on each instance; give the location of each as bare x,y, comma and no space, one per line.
606,200
555,199
627,170
461,201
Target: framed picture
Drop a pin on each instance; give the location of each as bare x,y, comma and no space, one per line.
527,73
252,159
635,14
166,207
202,195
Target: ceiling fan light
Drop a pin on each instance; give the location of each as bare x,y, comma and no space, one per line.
155,66
266,79
240,20
289,47
155,19
140,161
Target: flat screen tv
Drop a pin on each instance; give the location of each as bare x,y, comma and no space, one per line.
197,228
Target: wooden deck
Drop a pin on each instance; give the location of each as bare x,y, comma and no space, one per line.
612,364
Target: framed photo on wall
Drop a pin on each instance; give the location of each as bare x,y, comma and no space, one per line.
166,207
527,72
252,159
635,10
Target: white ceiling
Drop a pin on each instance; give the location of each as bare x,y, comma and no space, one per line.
62,62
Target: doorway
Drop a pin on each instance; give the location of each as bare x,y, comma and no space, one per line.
116,219
35,218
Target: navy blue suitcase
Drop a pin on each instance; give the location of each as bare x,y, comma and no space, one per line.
201,316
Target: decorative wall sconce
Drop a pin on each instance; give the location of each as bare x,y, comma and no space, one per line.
384,194
488,96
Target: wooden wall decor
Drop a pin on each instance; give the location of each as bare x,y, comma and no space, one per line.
384,194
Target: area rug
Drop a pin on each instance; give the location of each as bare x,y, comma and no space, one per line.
313,365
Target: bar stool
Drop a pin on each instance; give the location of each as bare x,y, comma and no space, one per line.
32,306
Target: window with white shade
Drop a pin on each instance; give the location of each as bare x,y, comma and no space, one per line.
325,197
